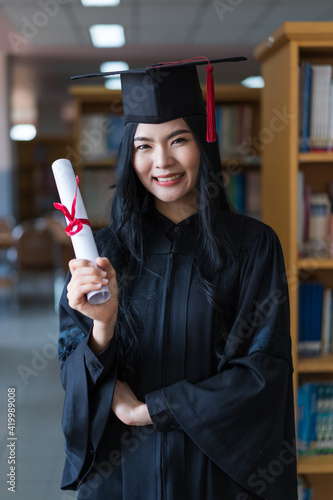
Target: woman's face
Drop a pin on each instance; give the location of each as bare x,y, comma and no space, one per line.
166,159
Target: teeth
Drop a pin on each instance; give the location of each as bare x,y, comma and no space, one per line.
168,179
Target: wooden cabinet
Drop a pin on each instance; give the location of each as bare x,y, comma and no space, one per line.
98,130
281,56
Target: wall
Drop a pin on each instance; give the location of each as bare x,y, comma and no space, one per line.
6,163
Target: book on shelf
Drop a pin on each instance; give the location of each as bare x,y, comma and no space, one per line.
315,107
315,418
244,191
326,327
310,314
305,492
304,105
234,128
315,323
315,222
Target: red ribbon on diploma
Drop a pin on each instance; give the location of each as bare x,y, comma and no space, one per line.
73,222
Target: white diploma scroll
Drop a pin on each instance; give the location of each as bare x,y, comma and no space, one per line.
83,242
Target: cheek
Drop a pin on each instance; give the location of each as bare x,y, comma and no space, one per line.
141,170
195,166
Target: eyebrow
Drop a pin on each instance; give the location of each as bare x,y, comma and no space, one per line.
173,134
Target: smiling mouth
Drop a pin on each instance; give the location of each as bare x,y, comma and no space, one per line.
170,178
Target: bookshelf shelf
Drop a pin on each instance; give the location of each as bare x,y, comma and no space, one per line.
316,364
282,53
235,93
315,264
315,464
315,157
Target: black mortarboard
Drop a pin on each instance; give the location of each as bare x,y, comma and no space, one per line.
167,91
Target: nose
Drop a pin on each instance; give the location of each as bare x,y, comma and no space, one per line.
163,157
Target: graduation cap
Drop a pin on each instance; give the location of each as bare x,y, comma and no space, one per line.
166,91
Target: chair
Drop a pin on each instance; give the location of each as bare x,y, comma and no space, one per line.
7,250
56,223
7,223
36,261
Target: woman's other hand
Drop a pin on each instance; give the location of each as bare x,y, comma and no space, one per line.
127,407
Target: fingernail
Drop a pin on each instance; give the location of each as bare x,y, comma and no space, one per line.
105,281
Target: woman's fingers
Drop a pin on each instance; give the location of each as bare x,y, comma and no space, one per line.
86,277
78,290
105,264
75,264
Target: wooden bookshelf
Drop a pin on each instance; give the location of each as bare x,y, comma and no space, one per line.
91,100
35,183
280,56
316,464
314,264
315,158
321,364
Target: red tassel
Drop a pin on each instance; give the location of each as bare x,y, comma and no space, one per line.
210,104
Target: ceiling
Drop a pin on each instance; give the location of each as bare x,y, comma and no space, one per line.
48,40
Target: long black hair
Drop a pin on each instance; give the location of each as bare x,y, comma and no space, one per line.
133,204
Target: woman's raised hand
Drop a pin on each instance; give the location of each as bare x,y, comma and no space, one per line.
86,277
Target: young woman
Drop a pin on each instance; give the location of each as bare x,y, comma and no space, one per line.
180,386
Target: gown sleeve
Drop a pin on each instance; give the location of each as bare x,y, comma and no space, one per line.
242,417
88,380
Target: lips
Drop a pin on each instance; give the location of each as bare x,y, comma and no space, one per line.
169,178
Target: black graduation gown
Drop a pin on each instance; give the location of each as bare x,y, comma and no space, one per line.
223,422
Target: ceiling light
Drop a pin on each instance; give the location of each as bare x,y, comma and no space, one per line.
113,81
253,82
109,66
100,3
23,132
107,35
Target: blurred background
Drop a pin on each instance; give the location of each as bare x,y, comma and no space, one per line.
44,116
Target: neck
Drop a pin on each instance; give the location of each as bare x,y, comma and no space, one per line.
176,212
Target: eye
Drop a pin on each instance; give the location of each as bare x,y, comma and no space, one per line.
179,140
142,147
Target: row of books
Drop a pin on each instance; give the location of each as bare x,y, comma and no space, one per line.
244,191
101,133
315,221
316,107
315,418
315,324
305,492
234,127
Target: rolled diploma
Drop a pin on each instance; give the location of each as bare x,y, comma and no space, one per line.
83,242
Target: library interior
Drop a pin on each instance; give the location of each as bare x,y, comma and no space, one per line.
274,120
